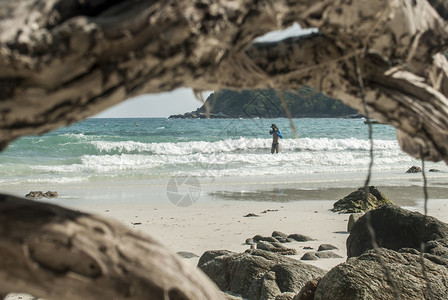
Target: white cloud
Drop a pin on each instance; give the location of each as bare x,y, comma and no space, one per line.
155,105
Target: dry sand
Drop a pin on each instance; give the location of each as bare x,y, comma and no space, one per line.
217,221
220,224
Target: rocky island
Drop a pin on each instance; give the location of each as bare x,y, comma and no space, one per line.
303,103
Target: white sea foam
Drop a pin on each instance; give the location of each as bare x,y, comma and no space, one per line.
234,157
78,136
39,179
121,152
57,180
242,144
37,141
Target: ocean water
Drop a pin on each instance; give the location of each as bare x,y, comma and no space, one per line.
157,148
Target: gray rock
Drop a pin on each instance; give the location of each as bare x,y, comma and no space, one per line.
327,254
285,296
269,288
395,228
300,237
229,296
279,234
212,254
267,246
437,251
40,195
51,195
437,259
35,195
437,247
363,277
352,220
275,247
354,202
185,254
244,273
250,241
258,238
409,250
318,255
308,291
414,169
309,256
325,247
284,239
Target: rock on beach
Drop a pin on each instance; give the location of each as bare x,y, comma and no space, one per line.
257,274
364,277
40,195
355,201
395,228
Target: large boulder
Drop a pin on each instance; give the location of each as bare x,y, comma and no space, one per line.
355,201
394,228
364,277
352,220
258,274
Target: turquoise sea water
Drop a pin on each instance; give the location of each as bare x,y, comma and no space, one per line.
115,149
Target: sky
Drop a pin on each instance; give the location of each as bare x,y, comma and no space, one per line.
160,105
181,100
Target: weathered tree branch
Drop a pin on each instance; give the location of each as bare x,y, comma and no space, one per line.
62,61
56,253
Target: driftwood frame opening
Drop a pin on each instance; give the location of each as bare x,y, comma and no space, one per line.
64,60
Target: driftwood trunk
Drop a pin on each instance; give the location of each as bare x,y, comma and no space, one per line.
56,253
64,60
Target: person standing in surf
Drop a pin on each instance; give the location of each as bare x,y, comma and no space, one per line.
275,132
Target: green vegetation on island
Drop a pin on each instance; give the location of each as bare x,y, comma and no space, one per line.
304,103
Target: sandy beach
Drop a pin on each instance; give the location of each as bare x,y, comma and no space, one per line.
217,218
222,224
214,224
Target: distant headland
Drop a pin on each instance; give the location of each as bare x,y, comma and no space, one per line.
304,103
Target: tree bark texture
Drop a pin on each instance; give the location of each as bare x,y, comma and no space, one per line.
55,253
62,61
